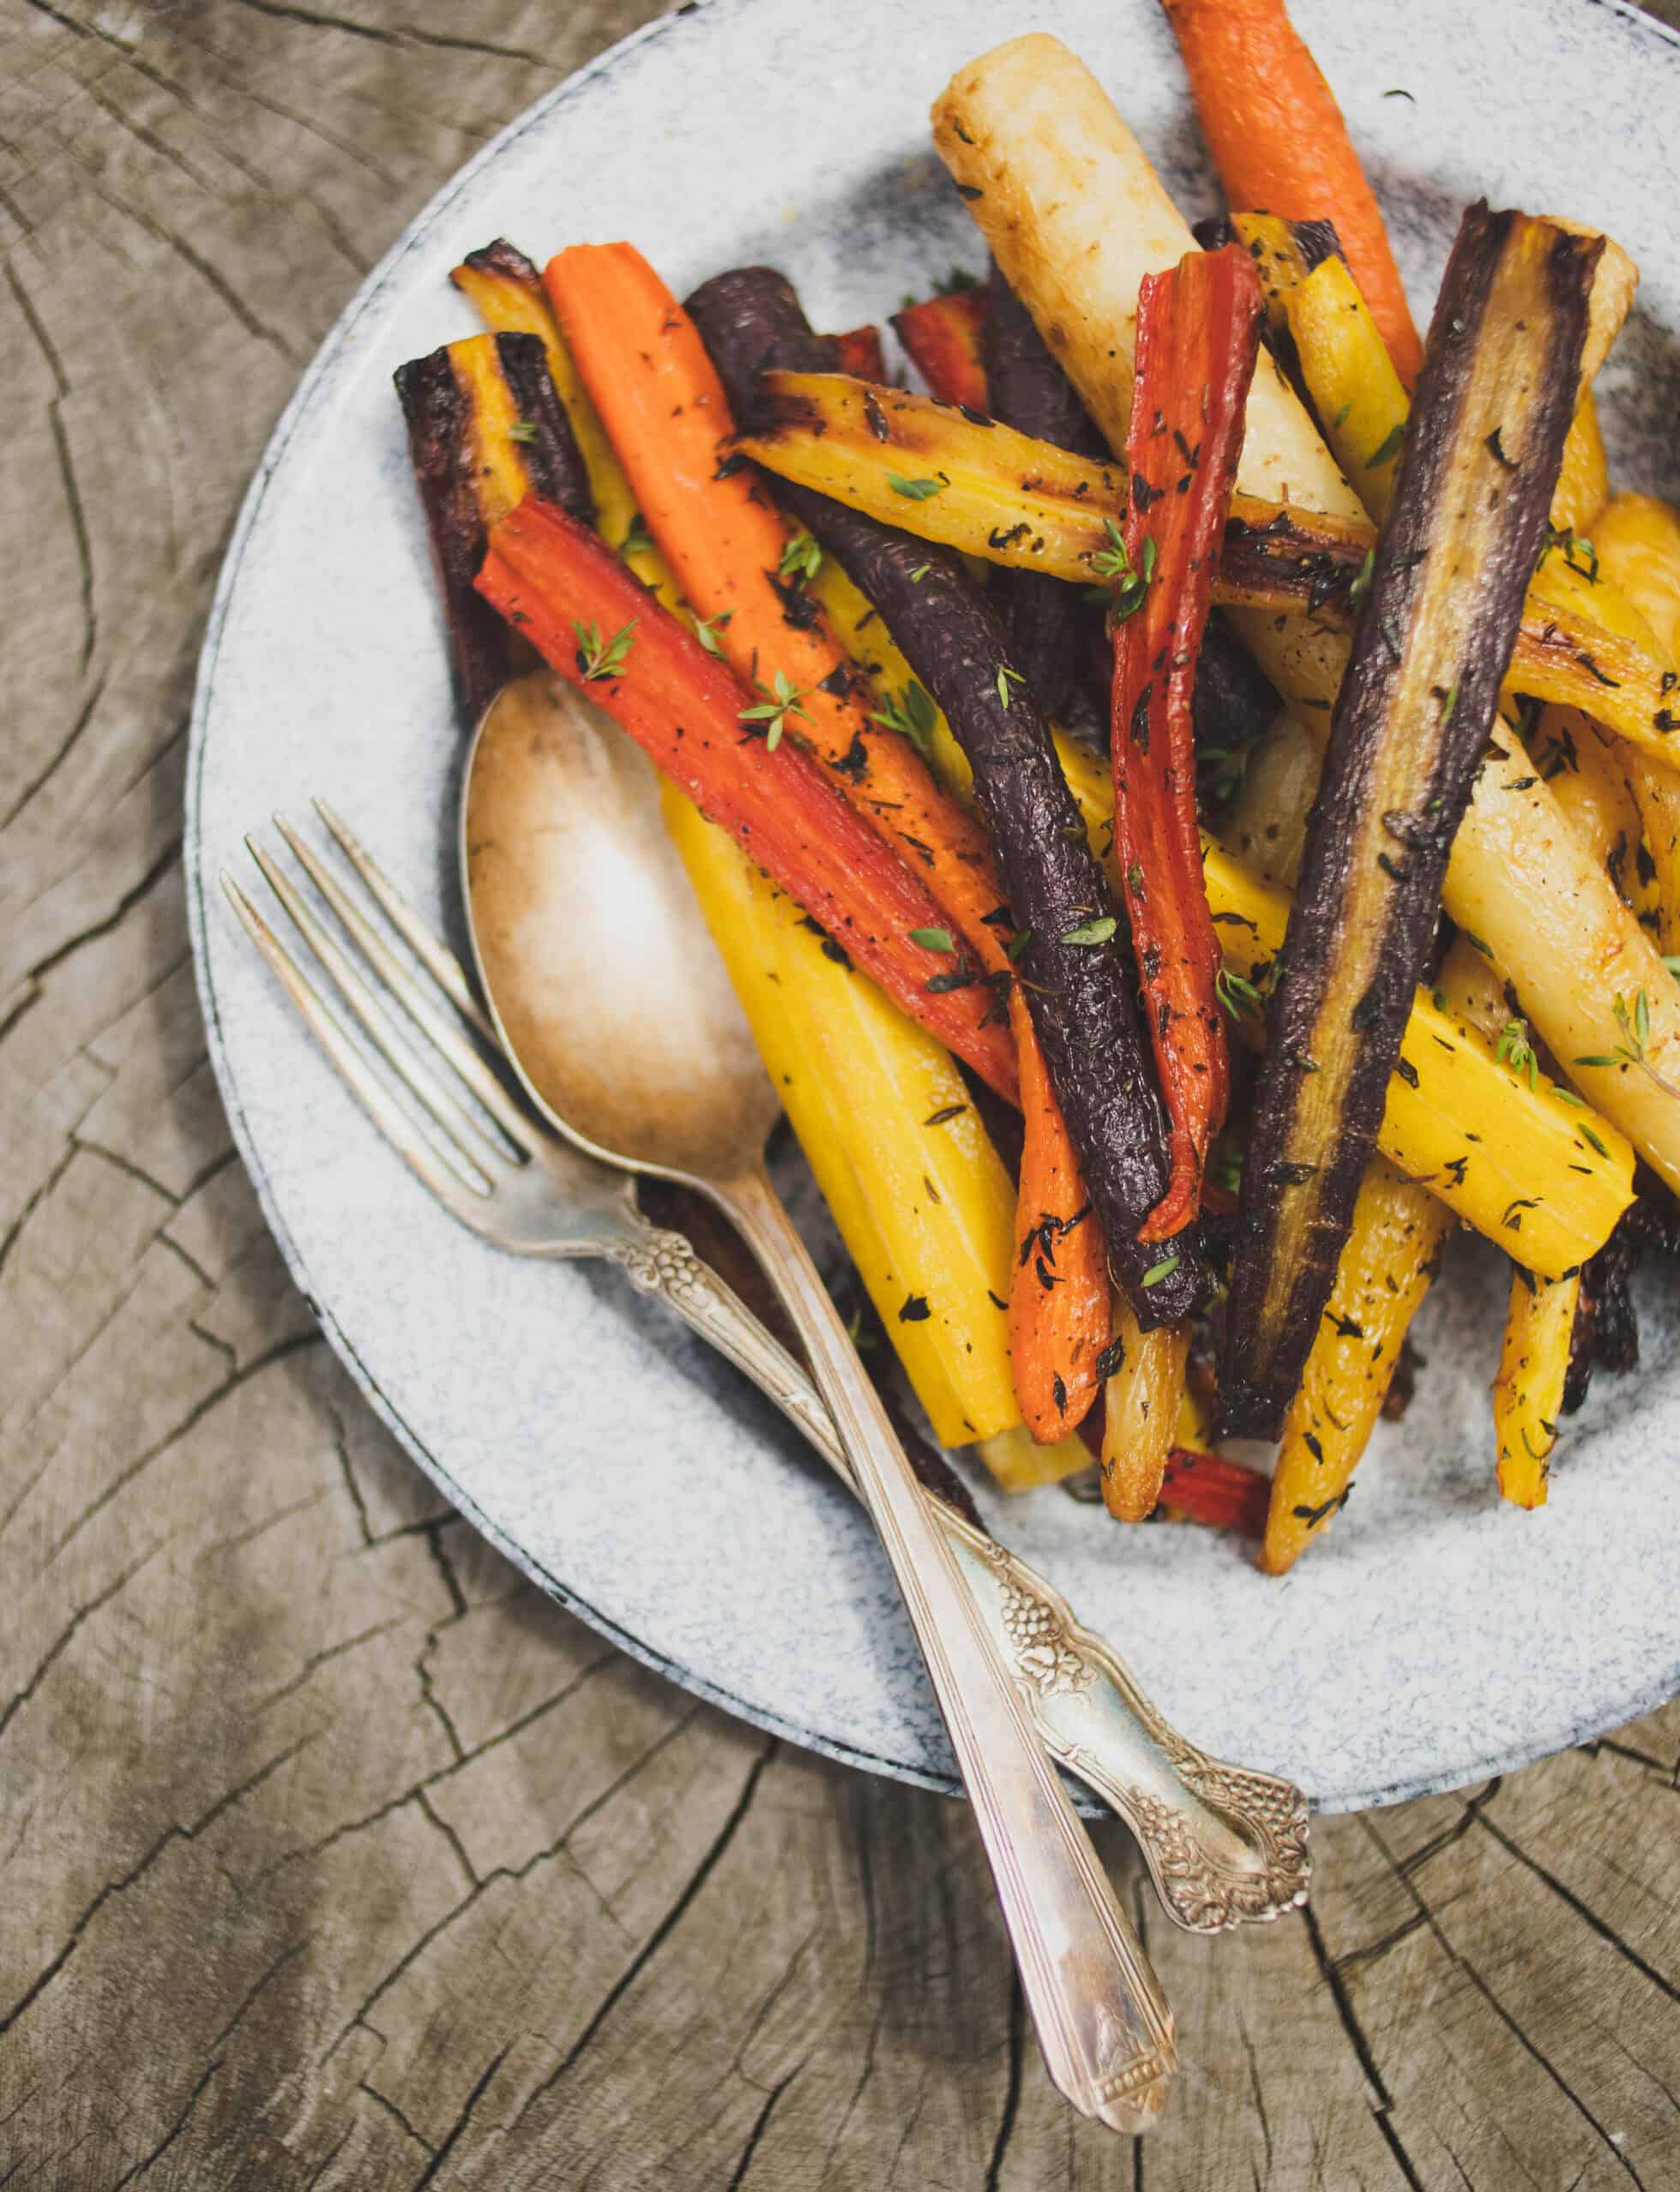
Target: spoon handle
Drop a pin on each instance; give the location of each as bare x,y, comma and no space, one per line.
1224,1844
1102,2021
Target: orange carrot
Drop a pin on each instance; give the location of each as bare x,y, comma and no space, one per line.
1281,146
664,410
1059,1292
943,336
595,624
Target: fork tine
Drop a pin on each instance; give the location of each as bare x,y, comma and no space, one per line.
387,1114
467,1137
444,1033
439,962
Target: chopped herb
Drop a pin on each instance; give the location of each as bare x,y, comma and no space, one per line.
918,491
707,633
1236,994
1636,1026
935,940
920,573
1164,1269
639,541
1388,448
1017,943
522,430
946,1111
1006,678
1113,563
1111,1358
1514,1049
772,712
959,278
916,1310
802,559
599,658
912,714
1588,1134
1449,704
1399,93
1361,584
1093,932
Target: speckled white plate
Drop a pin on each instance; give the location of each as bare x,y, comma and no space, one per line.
1435,1636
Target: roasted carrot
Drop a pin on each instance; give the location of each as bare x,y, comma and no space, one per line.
484,431
1407,742
1281,146
589,618
1052,627
1059,1321
858,351
737,563
1207,1488
1198,335
1058,1292
944,337
1071,958
1059,1295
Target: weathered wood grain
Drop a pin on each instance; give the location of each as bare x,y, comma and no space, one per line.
334,1856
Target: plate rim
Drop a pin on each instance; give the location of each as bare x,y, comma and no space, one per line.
1632,20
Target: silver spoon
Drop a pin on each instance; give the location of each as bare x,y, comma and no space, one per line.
607,995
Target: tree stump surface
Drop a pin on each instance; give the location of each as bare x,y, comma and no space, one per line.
335,1856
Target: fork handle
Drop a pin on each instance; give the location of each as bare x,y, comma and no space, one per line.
1224,1844
1102,2022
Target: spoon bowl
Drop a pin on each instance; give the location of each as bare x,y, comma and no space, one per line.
581,919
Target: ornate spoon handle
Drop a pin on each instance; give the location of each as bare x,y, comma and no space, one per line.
1102,2022
1224,1844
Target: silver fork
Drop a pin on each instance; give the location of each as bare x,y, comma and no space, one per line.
1224,1844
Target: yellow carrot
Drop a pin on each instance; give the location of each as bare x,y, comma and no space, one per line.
1583,478
1385,1267
1141,1401
919,1194
1528,1392
1360,400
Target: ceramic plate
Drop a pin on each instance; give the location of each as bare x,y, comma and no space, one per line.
1434,1636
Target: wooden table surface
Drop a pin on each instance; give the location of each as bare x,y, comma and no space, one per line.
335,1856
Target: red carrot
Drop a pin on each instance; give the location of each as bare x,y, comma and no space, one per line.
1198,330
1207,1488
592,621
860,354
1281,146
942,337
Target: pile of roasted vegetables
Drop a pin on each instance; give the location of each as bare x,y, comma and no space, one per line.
1201,656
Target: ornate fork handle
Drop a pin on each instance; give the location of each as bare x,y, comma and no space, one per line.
1224,1844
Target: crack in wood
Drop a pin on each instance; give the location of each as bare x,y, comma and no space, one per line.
1584,1911
140,2168
1000,2144
171,1834
656,1940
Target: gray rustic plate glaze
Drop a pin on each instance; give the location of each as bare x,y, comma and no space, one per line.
1435,1636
